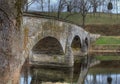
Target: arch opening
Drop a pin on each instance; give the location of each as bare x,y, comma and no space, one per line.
76,46
86,42
48,45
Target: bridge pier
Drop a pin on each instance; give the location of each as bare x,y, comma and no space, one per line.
69,58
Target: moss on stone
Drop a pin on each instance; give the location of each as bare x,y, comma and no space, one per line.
26,31
18,6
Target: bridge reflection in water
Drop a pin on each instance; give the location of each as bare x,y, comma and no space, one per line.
53,75
79,74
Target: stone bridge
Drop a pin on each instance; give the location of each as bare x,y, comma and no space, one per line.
53,42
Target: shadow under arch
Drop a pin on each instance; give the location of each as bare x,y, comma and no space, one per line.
86,42
48,45
85,45
76,45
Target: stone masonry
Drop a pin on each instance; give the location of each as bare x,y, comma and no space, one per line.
53,42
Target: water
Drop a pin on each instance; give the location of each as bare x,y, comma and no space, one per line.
103,78
103,73
54,75
107,72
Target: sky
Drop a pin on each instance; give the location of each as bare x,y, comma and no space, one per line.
36,6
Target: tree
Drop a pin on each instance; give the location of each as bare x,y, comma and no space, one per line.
61,5
84,7
110,6
41,2
48,5
30,2
79,6
27,4
95,4
116,7
10,38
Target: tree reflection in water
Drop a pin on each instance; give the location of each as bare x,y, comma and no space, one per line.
103,75
109,80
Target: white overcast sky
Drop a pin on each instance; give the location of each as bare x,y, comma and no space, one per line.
36,6
52,1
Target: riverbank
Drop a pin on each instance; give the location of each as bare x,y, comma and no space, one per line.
106,44
104,29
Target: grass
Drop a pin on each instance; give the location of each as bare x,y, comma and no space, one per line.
107,58
99,18
108,40
104,70
102,18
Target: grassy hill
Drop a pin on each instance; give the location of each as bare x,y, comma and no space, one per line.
98,18
103,23
102,18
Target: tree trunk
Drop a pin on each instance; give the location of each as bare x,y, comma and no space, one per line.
49,6
59,9
42,5
83,23
10,40
94,10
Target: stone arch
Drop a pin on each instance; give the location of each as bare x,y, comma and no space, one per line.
76,45
48,45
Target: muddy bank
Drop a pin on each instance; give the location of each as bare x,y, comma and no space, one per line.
104,53
108,64
107,30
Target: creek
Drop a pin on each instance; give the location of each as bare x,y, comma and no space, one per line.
106,72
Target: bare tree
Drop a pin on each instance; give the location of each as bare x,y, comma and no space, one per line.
84,8
30,2
61,5
117,8
27,4
48,5
71,5
59,8
80,6
95,4
42,6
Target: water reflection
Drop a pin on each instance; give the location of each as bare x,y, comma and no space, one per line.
52,75
102,79
107,74
103,73
25,75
